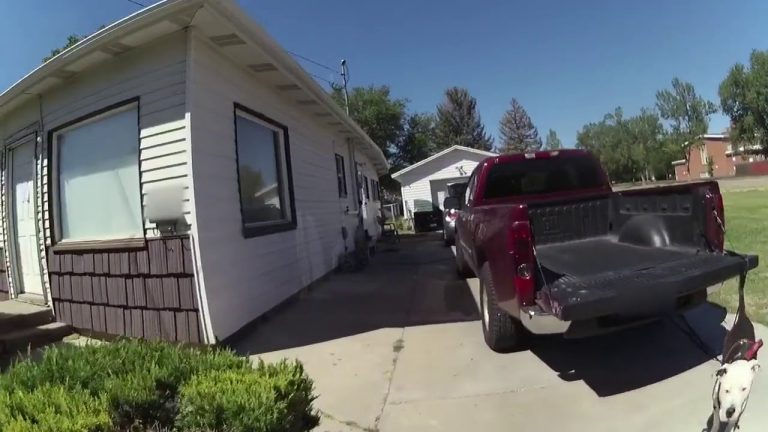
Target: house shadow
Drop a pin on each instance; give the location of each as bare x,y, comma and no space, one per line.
634,358
410,283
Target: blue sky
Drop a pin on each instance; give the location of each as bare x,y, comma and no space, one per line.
568,62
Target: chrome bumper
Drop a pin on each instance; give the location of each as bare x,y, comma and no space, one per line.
539,322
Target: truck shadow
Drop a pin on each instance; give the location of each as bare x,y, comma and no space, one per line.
631,359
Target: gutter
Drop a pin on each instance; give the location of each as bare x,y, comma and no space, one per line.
230,12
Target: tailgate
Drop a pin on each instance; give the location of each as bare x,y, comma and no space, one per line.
644,291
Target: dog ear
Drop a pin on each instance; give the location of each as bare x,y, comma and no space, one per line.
722,371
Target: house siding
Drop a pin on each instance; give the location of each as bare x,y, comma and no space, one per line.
97,297
416,189
244,278
146,293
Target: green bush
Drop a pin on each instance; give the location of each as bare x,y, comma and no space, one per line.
136,385
140,380
277,397
53,408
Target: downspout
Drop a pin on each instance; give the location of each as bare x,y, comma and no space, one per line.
39,180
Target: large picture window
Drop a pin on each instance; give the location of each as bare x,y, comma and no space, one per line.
264,174
96,177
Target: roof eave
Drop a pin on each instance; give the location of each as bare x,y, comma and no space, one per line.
233,14
116,30
437,155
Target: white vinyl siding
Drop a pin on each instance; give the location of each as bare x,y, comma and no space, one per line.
416,190
155,73
244,278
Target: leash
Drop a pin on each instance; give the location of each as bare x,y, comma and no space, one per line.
688,330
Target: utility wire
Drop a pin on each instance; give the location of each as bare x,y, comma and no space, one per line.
323,79
307,59
137,3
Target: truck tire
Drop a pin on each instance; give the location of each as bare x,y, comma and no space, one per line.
502,332
462,268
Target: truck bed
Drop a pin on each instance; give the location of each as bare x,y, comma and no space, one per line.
601,277
627,255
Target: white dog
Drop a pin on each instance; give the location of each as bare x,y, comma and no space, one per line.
729,397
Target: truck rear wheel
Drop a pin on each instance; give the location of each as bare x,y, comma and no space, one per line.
502,332
462,268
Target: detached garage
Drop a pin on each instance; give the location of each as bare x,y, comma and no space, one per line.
424,184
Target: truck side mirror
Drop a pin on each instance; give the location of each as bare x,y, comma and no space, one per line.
452,203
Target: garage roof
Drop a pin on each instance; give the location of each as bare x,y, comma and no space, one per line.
441,154
225,25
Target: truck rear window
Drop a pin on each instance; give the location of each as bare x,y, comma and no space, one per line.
543,176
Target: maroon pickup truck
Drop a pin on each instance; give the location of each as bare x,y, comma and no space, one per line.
558,251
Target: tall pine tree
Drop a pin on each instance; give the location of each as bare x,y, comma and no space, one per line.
553,142
517,132
458,122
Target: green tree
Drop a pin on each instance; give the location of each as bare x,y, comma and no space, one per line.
629,148
687,114
417,143
517,132
744,98
71,41
645,136
458,122
553,141
380,115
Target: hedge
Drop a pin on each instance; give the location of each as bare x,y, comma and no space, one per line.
133,384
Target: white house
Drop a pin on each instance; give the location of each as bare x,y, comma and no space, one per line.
424,184
176,175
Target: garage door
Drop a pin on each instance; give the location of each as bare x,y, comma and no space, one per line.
440,189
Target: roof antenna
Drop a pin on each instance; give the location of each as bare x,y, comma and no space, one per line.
345,79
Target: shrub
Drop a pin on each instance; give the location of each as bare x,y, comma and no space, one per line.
52,408
139,380
277,397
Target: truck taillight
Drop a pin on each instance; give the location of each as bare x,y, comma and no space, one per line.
451,215
715,220
521,247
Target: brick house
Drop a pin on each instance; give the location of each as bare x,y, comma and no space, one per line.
724,158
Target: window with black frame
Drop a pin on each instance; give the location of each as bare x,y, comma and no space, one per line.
341,176
263,168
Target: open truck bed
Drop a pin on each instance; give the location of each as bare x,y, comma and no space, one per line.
628,255
601,277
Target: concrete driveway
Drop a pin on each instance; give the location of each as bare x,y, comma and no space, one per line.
398,347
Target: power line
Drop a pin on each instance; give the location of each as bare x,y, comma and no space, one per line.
326,67
322,79
137,3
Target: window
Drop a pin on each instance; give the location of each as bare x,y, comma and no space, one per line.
543,176
367,189
703,154
264,174
341,176
375,189
96,189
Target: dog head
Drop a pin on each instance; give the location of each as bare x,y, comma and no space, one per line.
734,382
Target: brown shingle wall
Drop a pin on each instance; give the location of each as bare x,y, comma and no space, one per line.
147,293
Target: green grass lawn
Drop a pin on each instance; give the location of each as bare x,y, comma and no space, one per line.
746,215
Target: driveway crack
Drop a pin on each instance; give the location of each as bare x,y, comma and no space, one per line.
350,423
397,348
